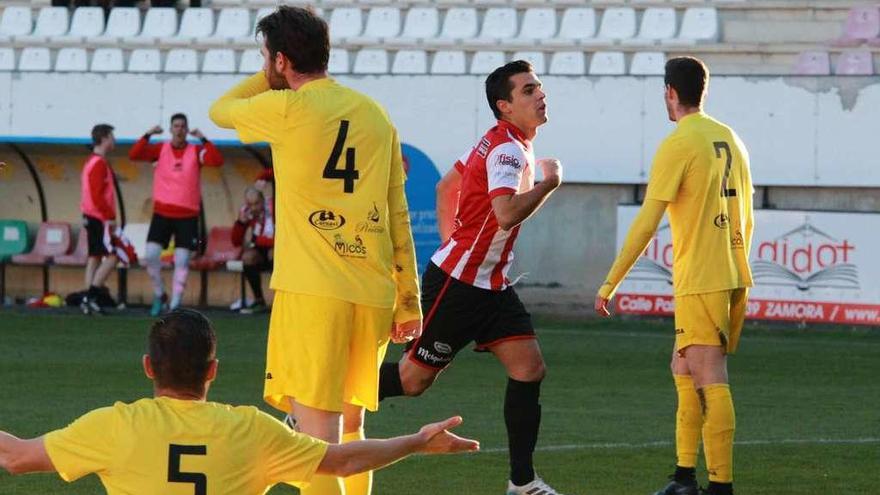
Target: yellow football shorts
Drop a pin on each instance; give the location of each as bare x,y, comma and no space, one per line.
712,318
324,352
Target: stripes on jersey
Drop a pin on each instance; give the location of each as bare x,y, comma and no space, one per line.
479,252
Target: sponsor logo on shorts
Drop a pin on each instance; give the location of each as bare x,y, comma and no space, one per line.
736,241
268,376
326,220
722,221
443,347
679,331
355,249
432,358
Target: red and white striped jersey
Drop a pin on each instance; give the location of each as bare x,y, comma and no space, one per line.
479,253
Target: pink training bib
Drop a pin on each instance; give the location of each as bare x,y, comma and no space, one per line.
87,203
177,181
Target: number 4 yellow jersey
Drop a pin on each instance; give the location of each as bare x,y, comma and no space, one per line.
336,155
702,171
183,447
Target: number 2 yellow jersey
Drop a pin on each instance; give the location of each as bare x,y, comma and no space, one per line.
335,154
702,171
183,447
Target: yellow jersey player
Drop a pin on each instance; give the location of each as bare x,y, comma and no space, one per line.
178,443
701,178
345,274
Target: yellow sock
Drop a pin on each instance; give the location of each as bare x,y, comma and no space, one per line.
688,421
718,429
359,484
324,485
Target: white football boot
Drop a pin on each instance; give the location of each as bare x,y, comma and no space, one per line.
536,487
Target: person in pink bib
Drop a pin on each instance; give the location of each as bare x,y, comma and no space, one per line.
177,197
98,206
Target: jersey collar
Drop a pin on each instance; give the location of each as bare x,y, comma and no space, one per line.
317,83
514,131
691,117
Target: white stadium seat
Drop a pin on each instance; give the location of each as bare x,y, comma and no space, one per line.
648,64
195,23
51,21
607,64
107,60
87,22
383,22
145,60
35,59
578,23
226,3
498,23
71,59
421,22
460,23
618,23
346,22
658,23
182,60
448,62
568,64
410,62
249,39
251,62
338,63
698,24
124,22
486,62
7,59
534,58
538,24
232,23
159,23
371,61
16,21
219,61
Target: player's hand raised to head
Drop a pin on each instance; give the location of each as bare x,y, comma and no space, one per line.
551,169
437,439
156,129
402,333
196,134
601,306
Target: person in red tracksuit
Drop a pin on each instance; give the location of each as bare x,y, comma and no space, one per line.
98,206
176,201
254,229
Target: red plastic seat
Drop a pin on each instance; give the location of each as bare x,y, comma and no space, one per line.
80,254
218,251
53,239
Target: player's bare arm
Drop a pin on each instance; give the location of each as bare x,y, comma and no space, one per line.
637,239
511,210
18,456
448,190
355,457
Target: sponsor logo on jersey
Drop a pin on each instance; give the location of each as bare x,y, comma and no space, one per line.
268,376
326,220
371,226
506,160
373,215
355,249
722,221
443,347
483,148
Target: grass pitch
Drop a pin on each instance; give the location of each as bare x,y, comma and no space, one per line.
807,403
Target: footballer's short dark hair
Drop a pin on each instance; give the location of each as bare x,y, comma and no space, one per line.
688,76
179,116
182,345
499,86
300,34
100,132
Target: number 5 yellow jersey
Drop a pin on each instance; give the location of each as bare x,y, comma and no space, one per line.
702,171
336,154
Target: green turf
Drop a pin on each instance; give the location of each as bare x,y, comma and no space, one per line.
608,383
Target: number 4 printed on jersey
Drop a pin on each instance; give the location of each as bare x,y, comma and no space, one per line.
348,174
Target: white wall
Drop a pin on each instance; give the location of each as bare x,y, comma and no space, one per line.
800,131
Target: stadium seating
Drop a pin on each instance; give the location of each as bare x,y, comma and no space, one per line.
371,61
71,59
618,23
648,64
658,23
538,24
577,24
449,62
251,62
219,61
53,239
182,60
813,63
107,60
7,59
123,23
80,253
862,24
87,22
486,62
16,21
195,24
498,24
534,58
410,62
233,24
699,24
460,24
13,241
145,60
51,21
855,63
345,22
35,59
218,251
568,64
382,23
160,23
607,64
421,23
338,63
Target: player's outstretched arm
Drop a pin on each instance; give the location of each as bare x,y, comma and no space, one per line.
513,209
19,456
367,455
448,190
223,110
637,239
